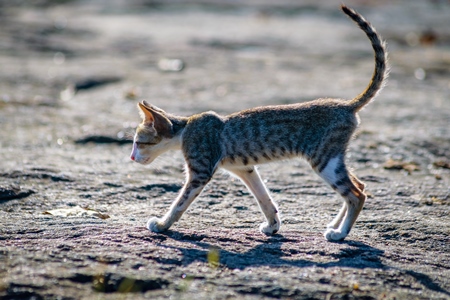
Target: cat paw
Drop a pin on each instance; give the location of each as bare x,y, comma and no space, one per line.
156,225
334,235
269,229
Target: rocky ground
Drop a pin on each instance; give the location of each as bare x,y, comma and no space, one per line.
73,206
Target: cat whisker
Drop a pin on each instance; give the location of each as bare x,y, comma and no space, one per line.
128,135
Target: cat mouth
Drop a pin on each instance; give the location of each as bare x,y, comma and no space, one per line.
143,161
146,161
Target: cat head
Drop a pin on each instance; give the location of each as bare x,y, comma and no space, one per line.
153,136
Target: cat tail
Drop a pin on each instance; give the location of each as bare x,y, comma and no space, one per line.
381,71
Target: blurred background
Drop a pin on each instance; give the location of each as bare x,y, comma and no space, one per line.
74,69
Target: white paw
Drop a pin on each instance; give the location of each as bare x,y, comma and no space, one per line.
269,229
334,235
156,225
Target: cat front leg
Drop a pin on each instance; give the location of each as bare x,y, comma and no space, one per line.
252,180
192,188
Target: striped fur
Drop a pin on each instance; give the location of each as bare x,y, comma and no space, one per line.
381,69
319,131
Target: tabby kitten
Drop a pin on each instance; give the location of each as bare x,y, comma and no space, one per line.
319,131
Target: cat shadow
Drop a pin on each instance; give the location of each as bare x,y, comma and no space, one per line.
269,252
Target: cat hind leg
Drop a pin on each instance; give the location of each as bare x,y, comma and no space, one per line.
340,216
351,190
361,185
355,201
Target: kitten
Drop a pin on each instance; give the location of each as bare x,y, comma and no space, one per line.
319,131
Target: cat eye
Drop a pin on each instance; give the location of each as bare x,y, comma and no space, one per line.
144,144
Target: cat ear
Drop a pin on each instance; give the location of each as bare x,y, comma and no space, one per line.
145,112
156,118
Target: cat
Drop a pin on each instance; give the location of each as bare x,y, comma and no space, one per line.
318,131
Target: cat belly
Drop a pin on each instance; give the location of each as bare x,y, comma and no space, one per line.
238,162
254,159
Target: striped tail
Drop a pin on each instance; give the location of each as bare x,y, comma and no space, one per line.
380,73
